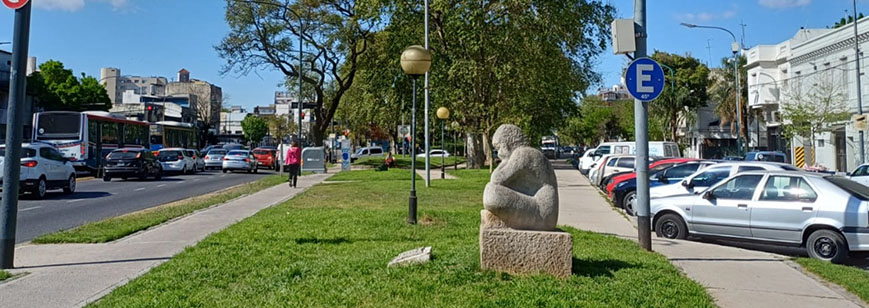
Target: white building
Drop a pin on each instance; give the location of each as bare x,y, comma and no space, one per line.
116,85
811,61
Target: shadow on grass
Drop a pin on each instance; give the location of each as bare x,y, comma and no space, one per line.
598,268
331,241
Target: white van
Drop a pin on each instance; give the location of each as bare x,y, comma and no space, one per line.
656,149
367,152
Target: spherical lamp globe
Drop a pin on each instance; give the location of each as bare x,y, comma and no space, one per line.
415,60
443,113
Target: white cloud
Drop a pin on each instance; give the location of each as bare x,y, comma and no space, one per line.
783,4
75,5
706,16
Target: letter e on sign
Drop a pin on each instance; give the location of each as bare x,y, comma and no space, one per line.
14,4
644,79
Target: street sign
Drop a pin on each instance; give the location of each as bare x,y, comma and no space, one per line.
644,79
345,155
14,4
403,131
860,122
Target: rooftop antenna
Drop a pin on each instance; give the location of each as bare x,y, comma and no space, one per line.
709,50
742,39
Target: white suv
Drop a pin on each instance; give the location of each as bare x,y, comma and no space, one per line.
43,168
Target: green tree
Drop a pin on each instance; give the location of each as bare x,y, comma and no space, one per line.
684,93
521,62
813,106
722,90
842,22
280,126
264,34
57,88
254,128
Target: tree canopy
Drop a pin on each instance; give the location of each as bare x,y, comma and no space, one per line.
254,128
56,88
685,92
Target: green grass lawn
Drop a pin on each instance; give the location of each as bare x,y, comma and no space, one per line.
4,275
114,228
854,279
329,246
404,162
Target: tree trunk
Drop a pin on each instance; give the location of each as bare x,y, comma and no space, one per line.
474,151
487,148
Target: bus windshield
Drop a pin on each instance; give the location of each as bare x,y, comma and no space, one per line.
55,126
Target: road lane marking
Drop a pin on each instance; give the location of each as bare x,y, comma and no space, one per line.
74,201
30,208
161,185
196,179
139,189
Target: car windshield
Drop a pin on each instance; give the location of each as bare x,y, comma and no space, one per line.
660,167
261,152
855,189
25,152
237,153
217,152
124,155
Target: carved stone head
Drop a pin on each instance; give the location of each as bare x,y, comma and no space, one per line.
507,138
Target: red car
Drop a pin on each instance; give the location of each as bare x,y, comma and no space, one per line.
266,157
660,164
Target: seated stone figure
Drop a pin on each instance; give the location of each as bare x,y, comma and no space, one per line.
523,190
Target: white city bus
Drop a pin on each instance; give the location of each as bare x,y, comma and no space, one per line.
86,137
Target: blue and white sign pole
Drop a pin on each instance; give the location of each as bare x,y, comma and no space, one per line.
645,81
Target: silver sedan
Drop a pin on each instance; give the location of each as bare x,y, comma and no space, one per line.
827,215
242,160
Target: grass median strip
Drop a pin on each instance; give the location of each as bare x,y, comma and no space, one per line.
4,275
118,227
329,246
853,279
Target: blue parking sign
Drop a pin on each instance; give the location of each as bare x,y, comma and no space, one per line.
644,79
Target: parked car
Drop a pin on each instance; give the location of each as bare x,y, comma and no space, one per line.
705,178
586,161
656,148
776,156
43,168
436,153
176,160
132,162
825,214
625,193
654,166
198,159
615,164
206,149
242,160
233,146
214,158
366,152
266,157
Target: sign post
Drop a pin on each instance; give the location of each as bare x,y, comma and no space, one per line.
14,130
345,155
645,81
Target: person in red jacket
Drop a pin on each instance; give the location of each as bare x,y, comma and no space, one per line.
294,160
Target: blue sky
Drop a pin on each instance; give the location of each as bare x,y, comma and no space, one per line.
159,37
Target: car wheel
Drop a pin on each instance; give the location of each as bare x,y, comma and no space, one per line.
70,185
224,170
159,174
107,178
628,203
255,169
671,226
827,245
40,189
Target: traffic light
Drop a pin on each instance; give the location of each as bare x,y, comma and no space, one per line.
153,113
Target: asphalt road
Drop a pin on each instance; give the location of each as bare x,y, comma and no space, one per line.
95,200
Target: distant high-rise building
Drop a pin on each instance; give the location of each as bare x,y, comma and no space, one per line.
116,84
205,97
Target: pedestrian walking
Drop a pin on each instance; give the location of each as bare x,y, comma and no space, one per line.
293,161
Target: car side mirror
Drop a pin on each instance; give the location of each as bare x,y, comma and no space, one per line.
663,179
708,195
688,184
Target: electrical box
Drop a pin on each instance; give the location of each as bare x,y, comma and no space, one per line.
624,38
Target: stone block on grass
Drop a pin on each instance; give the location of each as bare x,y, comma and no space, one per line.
523,252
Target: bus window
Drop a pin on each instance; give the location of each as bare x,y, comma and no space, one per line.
110,133
55,126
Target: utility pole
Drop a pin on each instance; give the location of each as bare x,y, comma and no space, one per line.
14,136
427,116
859,84
641,124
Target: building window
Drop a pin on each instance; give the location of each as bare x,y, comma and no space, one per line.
820,143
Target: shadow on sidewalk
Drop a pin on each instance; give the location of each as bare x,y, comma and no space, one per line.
597,268
94,263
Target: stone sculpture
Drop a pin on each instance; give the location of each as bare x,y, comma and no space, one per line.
523,191
517,226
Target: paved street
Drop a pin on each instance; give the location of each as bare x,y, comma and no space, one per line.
95,199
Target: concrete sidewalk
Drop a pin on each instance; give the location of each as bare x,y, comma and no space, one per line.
73,275
734,277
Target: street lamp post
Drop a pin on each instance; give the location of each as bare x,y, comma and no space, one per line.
415,62
735,47
443,114
455,127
